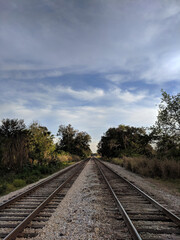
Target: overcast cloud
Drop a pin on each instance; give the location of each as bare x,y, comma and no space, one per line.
92,63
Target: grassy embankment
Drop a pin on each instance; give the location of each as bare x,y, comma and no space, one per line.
11,181
165,172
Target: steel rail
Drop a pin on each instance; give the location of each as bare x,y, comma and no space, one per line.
13,234
169,214
30,190
126,218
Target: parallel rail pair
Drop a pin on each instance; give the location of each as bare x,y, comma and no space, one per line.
144,217
17,213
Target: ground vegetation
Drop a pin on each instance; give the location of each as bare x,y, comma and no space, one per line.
30,153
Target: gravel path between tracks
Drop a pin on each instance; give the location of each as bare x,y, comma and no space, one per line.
165,197
82,213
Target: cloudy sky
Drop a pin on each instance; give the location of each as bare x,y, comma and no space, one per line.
94,64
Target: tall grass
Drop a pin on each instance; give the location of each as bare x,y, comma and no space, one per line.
150,167
66,157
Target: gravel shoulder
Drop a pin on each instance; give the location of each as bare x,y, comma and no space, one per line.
85,211
165,196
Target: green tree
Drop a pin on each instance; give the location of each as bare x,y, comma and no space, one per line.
14,143
67,137
166,131
124,140
73,141
81,143
41,145
168,120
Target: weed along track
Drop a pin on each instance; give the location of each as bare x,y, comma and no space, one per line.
144,217
24,214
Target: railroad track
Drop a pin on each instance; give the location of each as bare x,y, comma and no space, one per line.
145,218
23,215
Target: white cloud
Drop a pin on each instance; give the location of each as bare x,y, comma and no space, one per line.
103,37
118,78
90,94
130,97
94,119
167,69
19,110
163,10
127,96
85,95
93,146
27,75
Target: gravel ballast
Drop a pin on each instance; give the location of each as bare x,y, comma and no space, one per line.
164,196
86,212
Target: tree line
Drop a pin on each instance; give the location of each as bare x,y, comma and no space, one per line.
164,135
21,145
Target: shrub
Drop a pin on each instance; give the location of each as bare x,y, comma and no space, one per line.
44,169
32,179
117,161
36,172
66,157
75,158
19,183
2,188
10,187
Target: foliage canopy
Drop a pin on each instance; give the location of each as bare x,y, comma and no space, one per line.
73,141
124,140
166,131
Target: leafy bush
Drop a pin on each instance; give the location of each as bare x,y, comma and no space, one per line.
117,161
19,183
36,172
32,179
11,180
10,187
2,188
75,158
66,157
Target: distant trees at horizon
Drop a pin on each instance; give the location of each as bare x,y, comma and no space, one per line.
131,141
20,145
73,141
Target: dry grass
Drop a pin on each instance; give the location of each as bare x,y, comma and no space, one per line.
150,167
68,158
